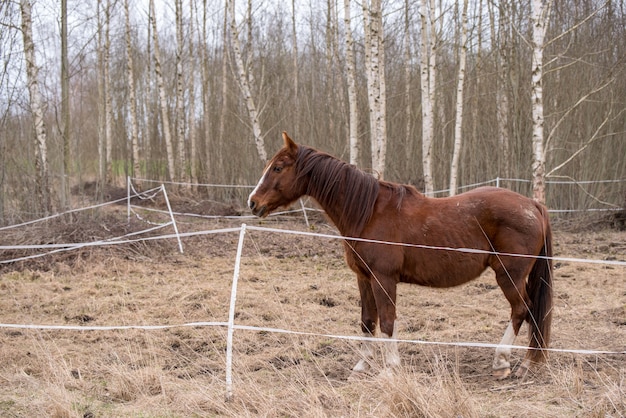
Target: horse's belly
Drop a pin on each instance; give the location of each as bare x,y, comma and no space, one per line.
445,275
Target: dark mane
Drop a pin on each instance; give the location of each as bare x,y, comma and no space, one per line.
331,180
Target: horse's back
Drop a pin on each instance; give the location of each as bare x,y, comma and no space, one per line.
487,219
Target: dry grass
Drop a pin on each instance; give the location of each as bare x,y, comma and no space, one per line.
294,284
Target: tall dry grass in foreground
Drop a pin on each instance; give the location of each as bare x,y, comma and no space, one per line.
180,372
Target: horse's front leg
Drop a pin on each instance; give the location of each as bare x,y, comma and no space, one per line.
384,290
369,318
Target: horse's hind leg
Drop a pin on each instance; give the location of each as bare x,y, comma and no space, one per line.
501,364
369,316
513,285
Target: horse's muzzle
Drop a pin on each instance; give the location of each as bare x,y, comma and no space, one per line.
261,212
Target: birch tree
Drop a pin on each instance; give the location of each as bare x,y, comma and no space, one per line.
500,42
246,81
65,108
296,72
375,68
193,157
427,78
407,83
101,102
108,111
132,101
167,135
458,121
540,11
180,94
42,175
353,123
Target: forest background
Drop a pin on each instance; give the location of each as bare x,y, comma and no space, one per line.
434,93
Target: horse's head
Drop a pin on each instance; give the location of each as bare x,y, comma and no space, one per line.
278,185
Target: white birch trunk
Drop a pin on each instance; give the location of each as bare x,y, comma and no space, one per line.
101,106
458,122
382,105
108,107
539,19
193,157
428,127
224,84
296,78
167,135
65,109
36,107
245,83
355,146
180,96
374,54
407,84
132,103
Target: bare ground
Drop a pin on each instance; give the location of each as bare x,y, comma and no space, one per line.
293,283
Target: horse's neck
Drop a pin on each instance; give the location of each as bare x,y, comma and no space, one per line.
345,193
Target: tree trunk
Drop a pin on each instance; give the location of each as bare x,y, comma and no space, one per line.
180,96
458,122
101,106
193,157
65,109
108,110
246,81
163,99
296,72
500,42
224,85
42,182
428,126
539,20
352,94
132,101
374,57
408,147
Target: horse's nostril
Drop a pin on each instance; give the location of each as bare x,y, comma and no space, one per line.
252,204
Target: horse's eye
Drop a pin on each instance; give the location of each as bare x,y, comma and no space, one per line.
278,169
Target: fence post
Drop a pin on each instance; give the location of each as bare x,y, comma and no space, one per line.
306,218
169,208
231,318
128,199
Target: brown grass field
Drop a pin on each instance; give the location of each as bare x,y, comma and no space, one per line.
295,283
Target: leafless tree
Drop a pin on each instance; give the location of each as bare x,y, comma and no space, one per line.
246,81
167,135
458,121
132,101
540,13
352,93
36,106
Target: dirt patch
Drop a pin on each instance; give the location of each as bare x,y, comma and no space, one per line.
295,283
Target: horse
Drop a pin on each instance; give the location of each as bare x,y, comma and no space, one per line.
393,233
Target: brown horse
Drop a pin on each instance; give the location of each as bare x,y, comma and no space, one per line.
498,223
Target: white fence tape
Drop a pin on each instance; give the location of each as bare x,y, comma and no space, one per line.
470,344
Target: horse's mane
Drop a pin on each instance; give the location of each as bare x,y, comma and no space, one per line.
332,181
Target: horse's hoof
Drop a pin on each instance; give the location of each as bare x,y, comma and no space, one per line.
521,372
501,374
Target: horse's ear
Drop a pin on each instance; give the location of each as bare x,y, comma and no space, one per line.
289,144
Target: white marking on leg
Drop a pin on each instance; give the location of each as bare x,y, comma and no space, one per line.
367,353
503,351
258,184
392,355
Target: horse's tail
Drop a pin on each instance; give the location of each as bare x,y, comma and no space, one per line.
539,288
